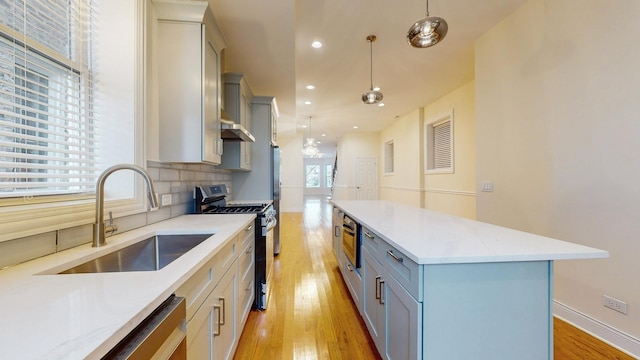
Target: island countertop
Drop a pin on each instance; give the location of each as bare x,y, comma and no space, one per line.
82,316
430,237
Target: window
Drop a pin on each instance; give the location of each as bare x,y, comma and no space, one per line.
328,175
388,157
312,176
58,131
47,127
439,144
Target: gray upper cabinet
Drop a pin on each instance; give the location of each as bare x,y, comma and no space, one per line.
189,46
237,104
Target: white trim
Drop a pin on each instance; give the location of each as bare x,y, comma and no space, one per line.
402,188
610,335
450,192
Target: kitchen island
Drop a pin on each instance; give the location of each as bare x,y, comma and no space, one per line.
44,315
436,286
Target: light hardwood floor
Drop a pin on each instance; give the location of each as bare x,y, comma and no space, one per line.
310,314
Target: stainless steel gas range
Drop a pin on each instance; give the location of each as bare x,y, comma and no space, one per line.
212,199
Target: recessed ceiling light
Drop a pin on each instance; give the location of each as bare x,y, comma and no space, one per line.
323,135
377,88
316,44
381,104
355,127
304,126
310,87
318,142
307,102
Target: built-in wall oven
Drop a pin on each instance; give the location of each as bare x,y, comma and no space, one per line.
351,240
212,199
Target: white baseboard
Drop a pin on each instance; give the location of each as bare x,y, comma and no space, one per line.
614,337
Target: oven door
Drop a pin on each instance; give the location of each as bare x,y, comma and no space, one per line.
351,241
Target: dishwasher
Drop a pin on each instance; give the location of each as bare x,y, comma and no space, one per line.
162,335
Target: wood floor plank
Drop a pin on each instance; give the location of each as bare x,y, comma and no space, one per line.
310,314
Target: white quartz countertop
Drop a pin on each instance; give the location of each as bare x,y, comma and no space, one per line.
82,316
429,237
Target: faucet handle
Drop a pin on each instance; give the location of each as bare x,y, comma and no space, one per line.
111,228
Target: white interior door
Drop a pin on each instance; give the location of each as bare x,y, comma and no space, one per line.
366,179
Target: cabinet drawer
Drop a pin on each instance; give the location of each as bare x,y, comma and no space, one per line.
371,241
246,291
406,271
353,280
196,289
248,235
246,260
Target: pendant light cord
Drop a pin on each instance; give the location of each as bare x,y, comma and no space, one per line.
427,12
371,63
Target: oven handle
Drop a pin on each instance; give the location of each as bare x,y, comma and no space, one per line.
271,223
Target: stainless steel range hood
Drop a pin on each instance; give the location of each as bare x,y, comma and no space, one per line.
230,131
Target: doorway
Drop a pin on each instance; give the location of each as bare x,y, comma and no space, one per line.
366,179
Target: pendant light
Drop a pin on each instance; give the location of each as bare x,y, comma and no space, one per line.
371,96
428,31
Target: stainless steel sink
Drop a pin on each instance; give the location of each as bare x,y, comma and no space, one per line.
150,254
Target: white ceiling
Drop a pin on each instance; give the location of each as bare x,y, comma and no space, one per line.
270,42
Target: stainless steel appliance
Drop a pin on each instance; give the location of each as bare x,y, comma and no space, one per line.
351,240
162,335
212,199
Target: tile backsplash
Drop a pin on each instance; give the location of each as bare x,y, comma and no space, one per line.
178,180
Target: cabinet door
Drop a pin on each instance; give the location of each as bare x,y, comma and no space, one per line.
373,305
200,332
403,314
224,298
245,147
212,147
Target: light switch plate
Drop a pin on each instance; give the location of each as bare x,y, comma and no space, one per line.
487,186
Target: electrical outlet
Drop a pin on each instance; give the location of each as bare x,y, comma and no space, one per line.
487,186
166,199
614,304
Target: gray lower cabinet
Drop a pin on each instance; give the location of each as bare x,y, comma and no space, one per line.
219,297
393,317
480,311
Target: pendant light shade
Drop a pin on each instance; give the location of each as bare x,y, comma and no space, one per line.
371,96
428,31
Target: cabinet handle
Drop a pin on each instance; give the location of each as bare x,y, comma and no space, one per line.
248,228
349,267
377,287
249,286
249,250
336,231
381,291
217,307
223,311
395,257
367,234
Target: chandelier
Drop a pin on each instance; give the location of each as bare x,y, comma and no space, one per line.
310,147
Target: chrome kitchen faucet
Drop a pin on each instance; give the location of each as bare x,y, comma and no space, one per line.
99,227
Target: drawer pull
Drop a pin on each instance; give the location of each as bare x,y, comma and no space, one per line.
377,287
249,250
367,234
217,308
248,228
395,257
249,286
349,267
381,291
223,311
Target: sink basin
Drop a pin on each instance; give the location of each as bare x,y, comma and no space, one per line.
149,254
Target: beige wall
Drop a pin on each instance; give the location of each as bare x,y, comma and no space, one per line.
455,193
404,184
557,86
351,147
452,193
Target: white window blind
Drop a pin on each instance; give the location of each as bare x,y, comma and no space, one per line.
47,129
442,145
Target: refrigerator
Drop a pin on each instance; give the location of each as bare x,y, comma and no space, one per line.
262,182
